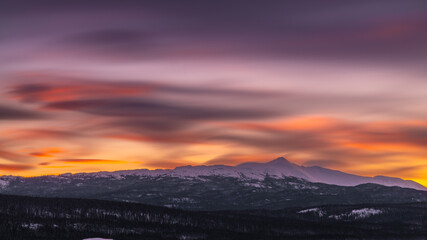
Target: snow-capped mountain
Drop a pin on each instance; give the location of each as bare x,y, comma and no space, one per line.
273,185
281,167
277,168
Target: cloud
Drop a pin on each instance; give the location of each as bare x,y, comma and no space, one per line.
365,133
65,92
151,108
173,41
91,161
277,141
326,163
108,37
152,125
113,44
162,164
73,88
51,87
161,114
9,113
41,133
15,167
235,159
387,134
14,157
388,31
48,164
177,138
407,170
47,152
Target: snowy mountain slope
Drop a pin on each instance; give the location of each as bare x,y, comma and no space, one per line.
274,185
211,192
279,167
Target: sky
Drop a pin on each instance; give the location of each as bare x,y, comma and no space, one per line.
110,85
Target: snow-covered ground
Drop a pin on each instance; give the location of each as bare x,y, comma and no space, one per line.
32,226
317,211
365,212
358,213
354,214
3,183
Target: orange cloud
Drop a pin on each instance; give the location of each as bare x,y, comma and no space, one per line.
15,167
379,146
55,167
166,164
47,152
359,147
91,161
347,141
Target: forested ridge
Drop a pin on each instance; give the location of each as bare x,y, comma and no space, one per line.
208,193
62,218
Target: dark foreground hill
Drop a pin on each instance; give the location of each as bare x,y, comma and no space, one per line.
57,218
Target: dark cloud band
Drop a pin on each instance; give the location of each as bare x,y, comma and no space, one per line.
9,113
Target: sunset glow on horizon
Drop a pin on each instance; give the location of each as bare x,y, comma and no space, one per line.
87,88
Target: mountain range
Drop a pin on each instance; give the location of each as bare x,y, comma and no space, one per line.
273,185
281,167
277,168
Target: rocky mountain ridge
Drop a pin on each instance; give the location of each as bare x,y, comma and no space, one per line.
277,168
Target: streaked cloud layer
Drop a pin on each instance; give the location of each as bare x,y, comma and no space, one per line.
89,87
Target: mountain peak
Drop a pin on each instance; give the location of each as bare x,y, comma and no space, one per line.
279,160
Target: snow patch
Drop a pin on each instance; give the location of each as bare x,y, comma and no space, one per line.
317,211
3,183
32,226
358,214
365,212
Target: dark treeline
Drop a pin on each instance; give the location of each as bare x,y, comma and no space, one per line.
58,218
